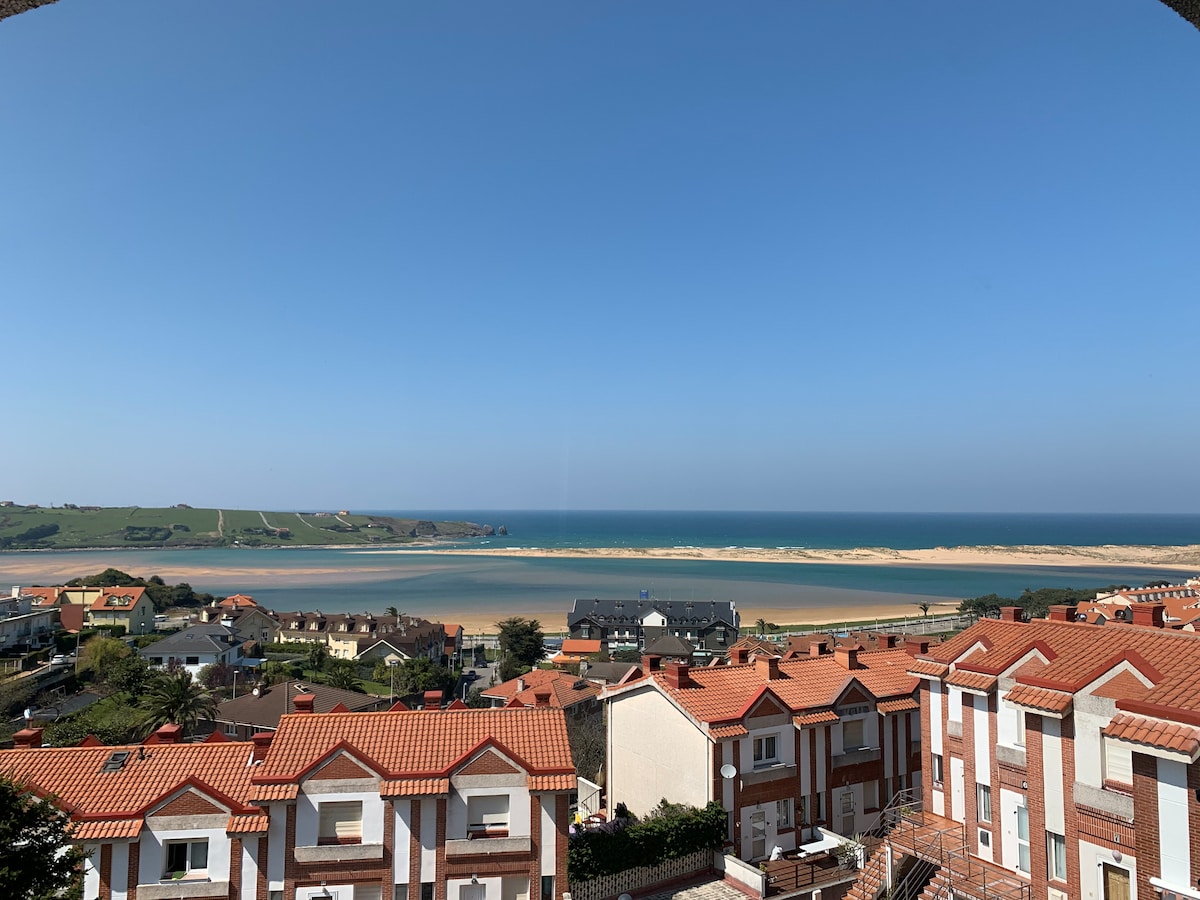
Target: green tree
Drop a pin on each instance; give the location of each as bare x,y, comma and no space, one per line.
177,698
112,726
101,653
129,674
421,674
476,700
37,859
317,657
924,607
521,645
344,675
761,625
627,655
392,611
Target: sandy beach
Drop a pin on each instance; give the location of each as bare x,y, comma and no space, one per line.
1184,557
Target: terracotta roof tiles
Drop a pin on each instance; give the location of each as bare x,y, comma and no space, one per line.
1040,698
417,744
727,731
564,691
74,776
414,787
927,667
1163,735
887,707
971,681
257,824
722,694
818,718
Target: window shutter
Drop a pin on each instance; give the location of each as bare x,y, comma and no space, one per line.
1118,762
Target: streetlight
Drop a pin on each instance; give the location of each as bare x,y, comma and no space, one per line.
391,664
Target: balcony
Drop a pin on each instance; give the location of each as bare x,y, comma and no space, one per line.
171,890
856,757
770,772
337,853
488,846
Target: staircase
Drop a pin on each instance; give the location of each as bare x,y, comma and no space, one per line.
938,887
871,878
912,883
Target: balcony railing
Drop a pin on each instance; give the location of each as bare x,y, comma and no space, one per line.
854,757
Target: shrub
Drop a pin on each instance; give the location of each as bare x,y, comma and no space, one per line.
669,832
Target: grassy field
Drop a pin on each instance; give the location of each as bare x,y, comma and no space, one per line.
133,526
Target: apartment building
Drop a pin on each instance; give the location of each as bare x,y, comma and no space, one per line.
783,745
365,635
421,805
619,624
1065,754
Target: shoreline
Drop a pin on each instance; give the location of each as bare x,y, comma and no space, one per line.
1178,557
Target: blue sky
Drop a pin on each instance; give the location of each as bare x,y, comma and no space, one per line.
664,255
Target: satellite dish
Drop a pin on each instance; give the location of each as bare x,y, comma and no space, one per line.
728,771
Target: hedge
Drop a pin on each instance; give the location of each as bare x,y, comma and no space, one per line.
626,844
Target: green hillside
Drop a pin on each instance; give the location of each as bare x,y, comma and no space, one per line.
72,527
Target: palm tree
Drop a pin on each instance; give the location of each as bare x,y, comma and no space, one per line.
392,611
177,698
761,625
318,656
924,607
345,677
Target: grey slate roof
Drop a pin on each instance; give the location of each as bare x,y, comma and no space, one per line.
677,612
193,640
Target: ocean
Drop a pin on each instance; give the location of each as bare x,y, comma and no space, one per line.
442,586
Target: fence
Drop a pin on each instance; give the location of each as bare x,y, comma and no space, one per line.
608,886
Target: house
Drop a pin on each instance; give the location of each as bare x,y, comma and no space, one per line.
672,648
259,708
156,821
251,621
195,647
710,625
801,645
576,650
1063,757
349,635
441,805
454,642
546,687
25,624
783,745
129,607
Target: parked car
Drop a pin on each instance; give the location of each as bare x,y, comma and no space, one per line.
62,659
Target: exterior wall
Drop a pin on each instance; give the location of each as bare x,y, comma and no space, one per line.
655,752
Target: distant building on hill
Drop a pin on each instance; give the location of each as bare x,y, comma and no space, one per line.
710,626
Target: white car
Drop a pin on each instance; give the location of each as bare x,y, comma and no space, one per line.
62,659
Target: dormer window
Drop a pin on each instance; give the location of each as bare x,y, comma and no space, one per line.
186,860
487,816
766,750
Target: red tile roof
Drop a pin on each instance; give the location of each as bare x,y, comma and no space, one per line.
414,787
107,830
1164,735
418,744
1040,698
1077,654
887,707
971,681
725,731
256,824
825,715
564,692
580,647
926,667
722,695
117,598
73,775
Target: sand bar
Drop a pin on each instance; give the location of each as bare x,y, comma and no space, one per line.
1182,557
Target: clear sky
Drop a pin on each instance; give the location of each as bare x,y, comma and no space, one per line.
675,255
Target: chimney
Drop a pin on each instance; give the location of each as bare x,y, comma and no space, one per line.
739,656
541,697
818,648
1011,614
27,739
1150,615
1061,614
915,646
303,703
651,663
847,657
767,667
520,684
168,734
262,741
888,641
677,675
433,700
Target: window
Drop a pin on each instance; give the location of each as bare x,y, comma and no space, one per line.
1118,763
766,750
1020,728
340,823
156,661
547,887
870,795
186,859
400,892
852,735
983,802
783,813
937,768
487,815
1023,838
818,808
426,890
192,661
1056,856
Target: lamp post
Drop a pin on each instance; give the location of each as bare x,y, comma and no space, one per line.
392,676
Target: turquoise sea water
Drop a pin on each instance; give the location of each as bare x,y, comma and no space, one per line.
440,585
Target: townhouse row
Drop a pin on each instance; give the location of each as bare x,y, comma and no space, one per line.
452,804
